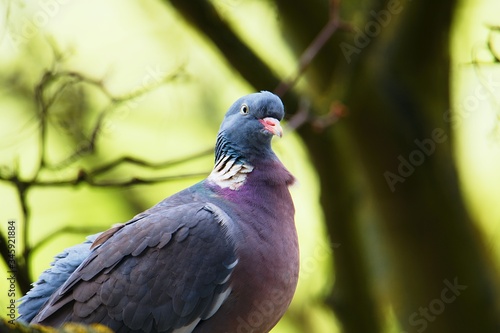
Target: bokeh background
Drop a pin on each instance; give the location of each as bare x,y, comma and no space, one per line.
107,107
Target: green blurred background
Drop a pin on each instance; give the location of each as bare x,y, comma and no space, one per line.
86,83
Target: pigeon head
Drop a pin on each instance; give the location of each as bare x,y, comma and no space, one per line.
249,125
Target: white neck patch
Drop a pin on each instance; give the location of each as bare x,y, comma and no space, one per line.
229,174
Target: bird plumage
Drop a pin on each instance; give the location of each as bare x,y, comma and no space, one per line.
220,256
50,280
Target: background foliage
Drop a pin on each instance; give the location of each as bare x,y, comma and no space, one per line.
108,107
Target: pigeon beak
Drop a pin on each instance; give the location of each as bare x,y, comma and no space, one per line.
272,125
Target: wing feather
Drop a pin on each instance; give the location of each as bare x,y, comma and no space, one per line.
163,272
50,280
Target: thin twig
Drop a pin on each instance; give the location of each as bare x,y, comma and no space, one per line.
491,48
84,177
302,115
319,123
333,24
114,102
150,165
66,230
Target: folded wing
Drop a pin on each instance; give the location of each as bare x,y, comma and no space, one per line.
163,272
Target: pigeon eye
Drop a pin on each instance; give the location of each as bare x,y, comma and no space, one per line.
244,109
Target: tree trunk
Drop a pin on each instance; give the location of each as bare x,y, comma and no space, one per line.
441,276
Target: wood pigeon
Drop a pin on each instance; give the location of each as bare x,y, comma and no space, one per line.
219,256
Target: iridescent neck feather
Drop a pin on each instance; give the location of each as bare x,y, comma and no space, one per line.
231,168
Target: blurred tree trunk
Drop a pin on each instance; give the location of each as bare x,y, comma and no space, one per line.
442,278
353,296
393,150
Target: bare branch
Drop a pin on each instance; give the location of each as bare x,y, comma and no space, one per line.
151,165
84,177
66,230
114,102
203,15
333,24
52,88
491,48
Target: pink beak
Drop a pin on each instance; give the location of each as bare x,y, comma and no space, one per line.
272,125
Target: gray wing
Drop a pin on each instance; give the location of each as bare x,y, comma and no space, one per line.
51,279
165,272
